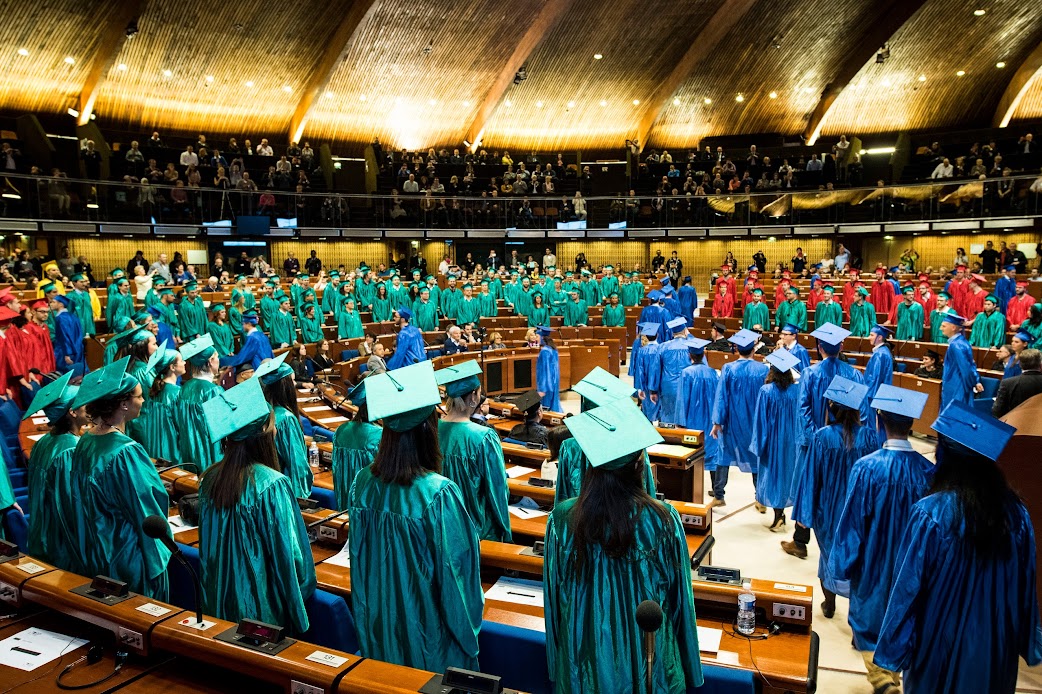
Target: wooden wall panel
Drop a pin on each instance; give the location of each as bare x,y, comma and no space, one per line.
625,254
333,253
939,251
106,254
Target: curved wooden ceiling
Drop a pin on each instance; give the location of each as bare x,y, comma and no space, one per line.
415,73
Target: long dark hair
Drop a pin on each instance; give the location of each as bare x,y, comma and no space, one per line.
103,409
849,419
556,436
159,383
362,413
1036,316
281,393
985,499
63,425
225,482
549,342
404,456
782,379
137,350
607,511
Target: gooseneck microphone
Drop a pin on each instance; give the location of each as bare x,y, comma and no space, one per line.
649,619
157,528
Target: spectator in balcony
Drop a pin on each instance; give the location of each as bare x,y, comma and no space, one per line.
179,198
233,146
266,203
506,160
520,186
579,206
217,160
91,161
506,189
247,148
996,166
193,177
189,157
842,151
978,169
155,142
283,166
403,172
411,187
134,156
943,170
1026,144
294,151
307,157
789,182
436,187
57,193
264,149
548,186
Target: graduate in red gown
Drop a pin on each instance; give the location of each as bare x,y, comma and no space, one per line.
849,290
1019,307
42,349
973,298
723,304
728,279
881,295
13,365
816,293
780,289
751,282
925,296
957,289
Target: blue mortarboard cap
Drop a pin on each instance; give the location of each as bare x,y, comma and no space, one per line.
250,317
954,319
1025,336
601,388
696,345
1010,267
676,324
51,395
237,413
847,393
610,435
404,397
791,328
744,339
981,433
782,360
273,370
459,379
667,289
154,312
544,331
831,334
881,330
649,329
655,295
899,401
665,281
405,313
107,382
63,300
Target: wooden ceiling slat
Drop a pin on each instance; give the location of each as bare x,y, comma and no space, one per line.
112,38
1022,95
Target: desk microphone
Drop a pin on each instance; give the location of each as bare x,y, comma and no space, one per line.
649,619
161,470
157,528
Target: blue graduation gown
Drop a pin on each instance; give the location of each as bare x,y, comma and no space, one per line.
410,348
881,490
165,336
1004,290
955,624
673,359
695,407
733,409
688,302
879,371
1013,368
673,308
255,349
821,488
647,373
548,378
813,407
801,353
960,372
775,428
658,315
68,342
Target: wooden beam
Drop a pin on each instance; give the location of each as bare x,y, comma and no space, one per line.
888,18
543,23
327,63
1024,76
113,35
702,45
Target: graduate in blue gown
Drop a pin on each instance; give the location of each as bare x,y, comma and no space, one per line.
775,427
821,485
787,341
670,302
695,397
963,608
548,372
879,371
960,379
69,353
164,335
665,379
656,313
410,347
647,367
733,408
631,366
688,299
255,345
881,490
1006,287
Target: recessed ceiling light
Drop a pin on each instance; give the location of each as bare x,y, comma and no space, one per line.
249,85
886,83
808,90
979,13
676,102
571,104
773,95
286,88
328,95
362,97
960,73
922,78
209,78
739,98
122,67
603,104
167,73
707,101
433,102
23,52
466,103
636,102
597,56
70,60
505,103
539,104
1000,65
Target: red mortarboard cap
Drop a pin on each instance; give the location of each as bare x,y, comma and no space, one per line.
7,315
979,279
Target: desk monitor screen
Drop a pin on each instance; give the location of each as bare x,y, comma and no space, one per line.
523,374
494,377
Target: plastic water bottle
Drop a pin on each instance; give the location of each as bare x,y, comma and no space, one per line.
746,610
313,454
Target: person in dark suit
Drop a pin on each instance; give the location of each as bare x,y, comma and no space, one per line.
719,342
1013,391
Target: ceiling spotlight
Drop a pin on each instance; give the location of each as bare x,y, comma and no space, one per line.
676,102
739,98
23,52
465,104
636,102
131,30
773,95
603,104
433,102
887,83
122,67
979,13
73,112
249,85
539,104
597,56
328,95
571,104
707,101
1000,65
960,73
922,78
167,73
69,60
209,79
362,97
507,103
288,89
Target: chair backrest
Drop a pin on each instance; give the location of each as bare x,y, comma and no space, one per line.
16,527
332,624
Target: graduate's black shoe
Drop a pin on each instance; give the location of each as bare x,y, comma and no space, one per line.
779,522
793,548
711,494
828,610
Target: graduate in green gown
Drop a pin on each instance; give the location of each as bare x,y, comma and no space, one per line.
354,446
51,537
139,343
191,311
792,310
435,292
556,298
590,289
81,304
157,429
276,377
120,304
241,290
403,501
756,312
609,283
1033,325
575,311
331,295
382,309
235,311
909,316
254,553
425,312
614,314
220,330
152,295
989,327
937,317
828,309
306,297
450,298
590,598
487,301
168,311
311,324
398,293
862,314
471,454
523,298
115,487
538,314
349,321
282,331
202,363
569,282
268,305
469,308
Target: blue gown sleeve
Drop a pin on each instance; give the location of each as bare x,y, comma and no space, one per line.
853,523
720,402
653,374
246,354
806,412
804,496
544,369
761,426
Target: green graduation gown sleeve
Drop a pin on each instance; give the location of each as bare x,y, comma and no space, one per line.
50,537
571,466
382,310
115,487
487,303
80,304
255,558
158,428
330,298
468,311
910,321
194,437
449,301
576,313
613,316
430,582
354,447
472,457
936,318
235,323
119,306
989,331
794,312
756,314
293,453
830,312
538,316
311,329
223,341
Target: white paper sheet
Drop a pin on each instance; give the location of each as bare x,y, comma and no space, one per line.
515,471
40,420
332,420
36,437
670,449
33,647
709,639
341,558
177,525
315,408
525,513
517,590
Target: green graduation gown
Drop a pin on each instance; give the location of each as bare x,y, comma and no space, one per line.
293,452
382,310
487,305
590,292
366,292
936,318
119,306
609,285
556,300
354,447
571,466
628,294
158,429
235,323
425,316
862,319
248,300
910,321
311,329
472,457
115,487
988,330
614,316
151,298
538,316
576,313
433,537
450,300
468,311
756,314
194,437
268,308
1034,330
168,315
794,312
330,298
593,643
283,332
223,340
145,376
828,312
80,305
349,325
193,317
522,301
398,296
255,558
50,536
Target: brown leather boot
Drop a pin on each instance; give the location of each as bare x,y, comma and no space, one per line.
794,549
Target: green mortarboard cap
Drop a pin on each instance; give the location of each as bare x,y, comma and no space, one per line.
48,287
946,295
237,413
980,433
459,379
141,317
468,285
158,281
198,351
166,292
116,273
862,291
403,397
191,286
283,298
120,323
108,382
51,395
273,370
334,273
156,357
357,394
242,277
129,337
217,307
77,277
601,388
992,298
611,434
162,358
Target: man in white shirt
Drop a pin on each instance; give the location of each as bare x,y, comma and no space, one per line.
376,363
264,149
549,259
943,170
189,158
411,186
443,266
842,258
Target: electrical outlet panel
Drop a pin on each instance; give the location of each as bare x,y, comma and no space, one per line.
326,532
692,521
789,611
296,687
8,593
131,639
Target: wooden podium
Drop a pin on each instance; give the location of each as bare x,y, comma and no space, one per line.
1018,463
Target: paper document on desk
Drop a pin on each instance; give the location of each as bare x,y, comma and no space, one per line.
670,449
314,408
517,590
709,639
35,437
41,420
526,508
178,525
332,420
515,471
341,558
32,648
